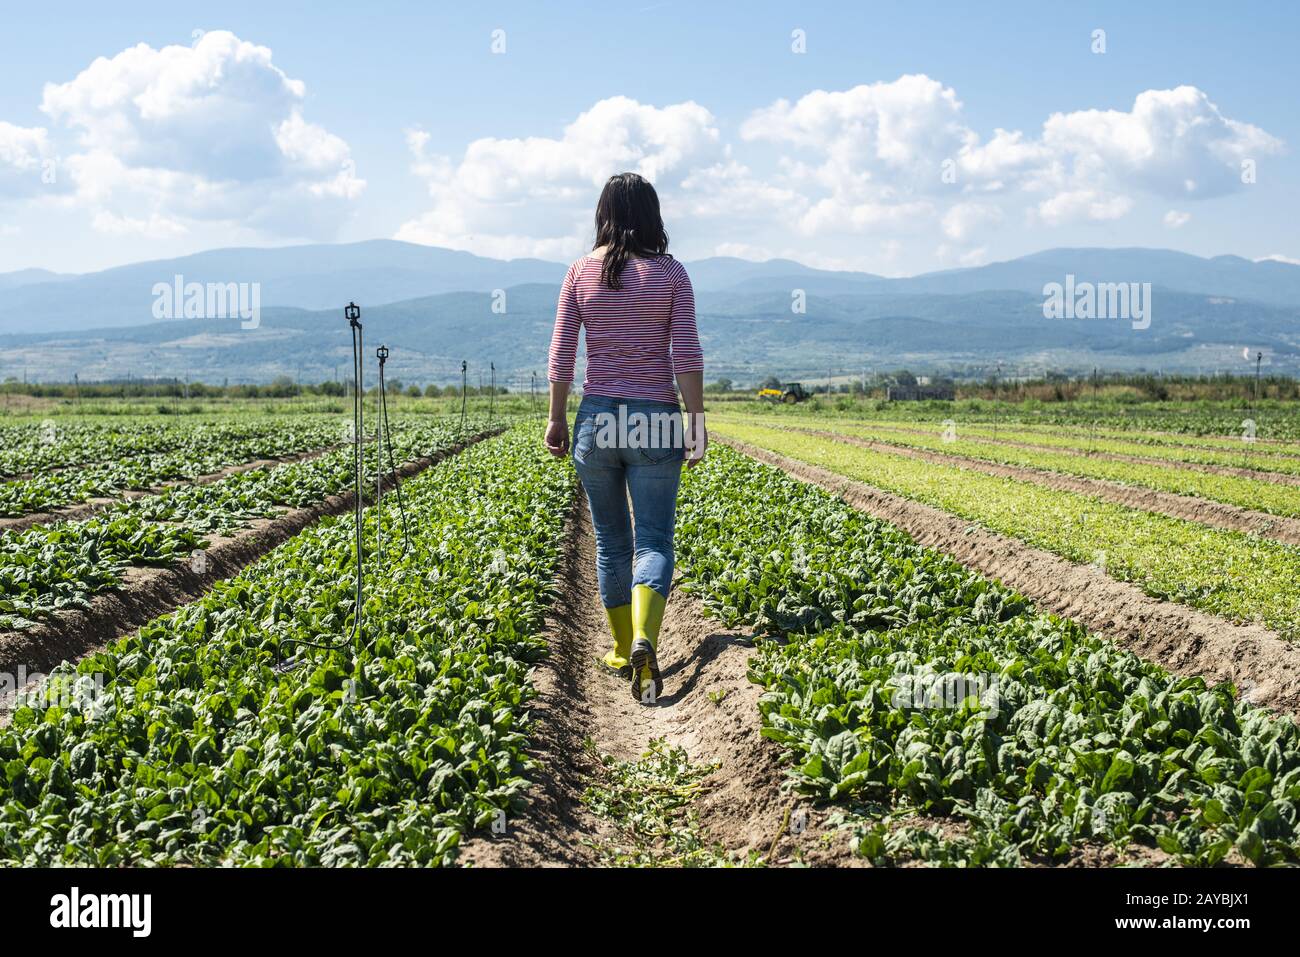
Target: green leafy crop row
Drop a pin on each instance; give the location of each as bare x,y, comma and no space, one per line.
1268,497
1084,436
1283,458
1239,576
1276,421
37,447
198,752
1082,743
205,454
52,567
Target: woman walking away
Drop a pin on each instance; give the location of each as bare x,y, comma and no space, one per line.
637,306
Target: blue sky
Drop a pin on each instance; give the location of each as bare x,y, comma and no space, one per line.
290,122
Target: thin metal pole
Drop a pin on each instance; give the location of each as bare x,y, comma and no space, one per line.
464,389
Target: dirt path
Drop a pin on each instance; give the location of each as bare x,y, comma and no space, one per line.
147,592
709,708
1219,514
1183,640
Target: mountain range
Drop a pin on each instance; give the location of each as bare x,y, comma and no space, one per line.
436,307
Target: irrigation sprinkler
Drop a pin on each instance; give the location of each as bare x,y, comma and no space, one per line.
464,388
384,435
352,312
380,420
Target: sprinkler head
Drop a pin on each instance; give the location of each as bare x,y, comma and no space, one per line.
352,312
382,353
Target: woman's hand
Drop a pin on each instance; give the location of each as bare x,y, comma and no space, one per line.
557,437
696,439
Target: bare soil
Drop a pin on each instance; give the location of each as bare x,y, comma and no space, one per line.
709,708
1185,641
147,593
1218,514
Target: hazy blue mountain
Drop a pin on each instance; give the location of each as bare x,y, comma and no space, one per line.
746,335
725,272
306,277
384,271
29,277
1271,282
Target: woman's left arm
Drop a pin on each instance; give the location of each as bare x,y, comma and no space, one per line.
688,365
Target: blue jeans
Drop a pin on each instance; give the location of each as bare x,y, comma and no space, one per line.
611,471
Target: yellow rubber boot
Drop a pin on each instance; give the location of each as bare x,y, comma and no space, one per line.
647,618
620,626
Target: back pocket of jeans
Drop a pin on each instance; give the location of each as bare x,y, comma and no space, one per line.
658,456
584,439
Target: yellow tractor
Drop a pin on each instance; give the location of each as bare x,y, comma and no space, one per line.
791,393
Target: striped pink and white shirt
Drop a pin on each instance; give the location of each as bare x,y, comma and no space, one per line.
638,337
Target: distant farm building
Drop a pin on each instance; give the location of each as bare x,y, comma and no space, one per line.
944,391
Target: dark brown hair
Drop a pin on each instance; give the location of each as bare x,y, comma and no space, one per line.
628,223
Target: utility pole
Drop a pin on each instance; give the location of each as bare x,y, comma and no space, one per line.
1259,359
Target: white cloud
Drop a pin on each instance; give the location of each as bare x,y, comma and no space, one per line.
1173,143
1079,204
1278,257
155,227
964,219
862,155
26,160
878,151
534,196
175,141
206,134
887,160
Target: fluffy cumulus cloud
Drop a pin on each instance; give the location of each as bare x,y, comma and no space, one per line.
900,155
1173,143
165,142
963,220
26,160
835,173
158,141
532,196
1072,205
868,158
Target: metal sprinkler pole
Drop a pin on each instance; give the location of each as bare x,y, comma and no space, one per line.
464,385
353,314
380,436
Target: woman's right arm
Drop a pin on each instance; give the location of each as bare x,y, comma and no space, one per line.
557,425
563,357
